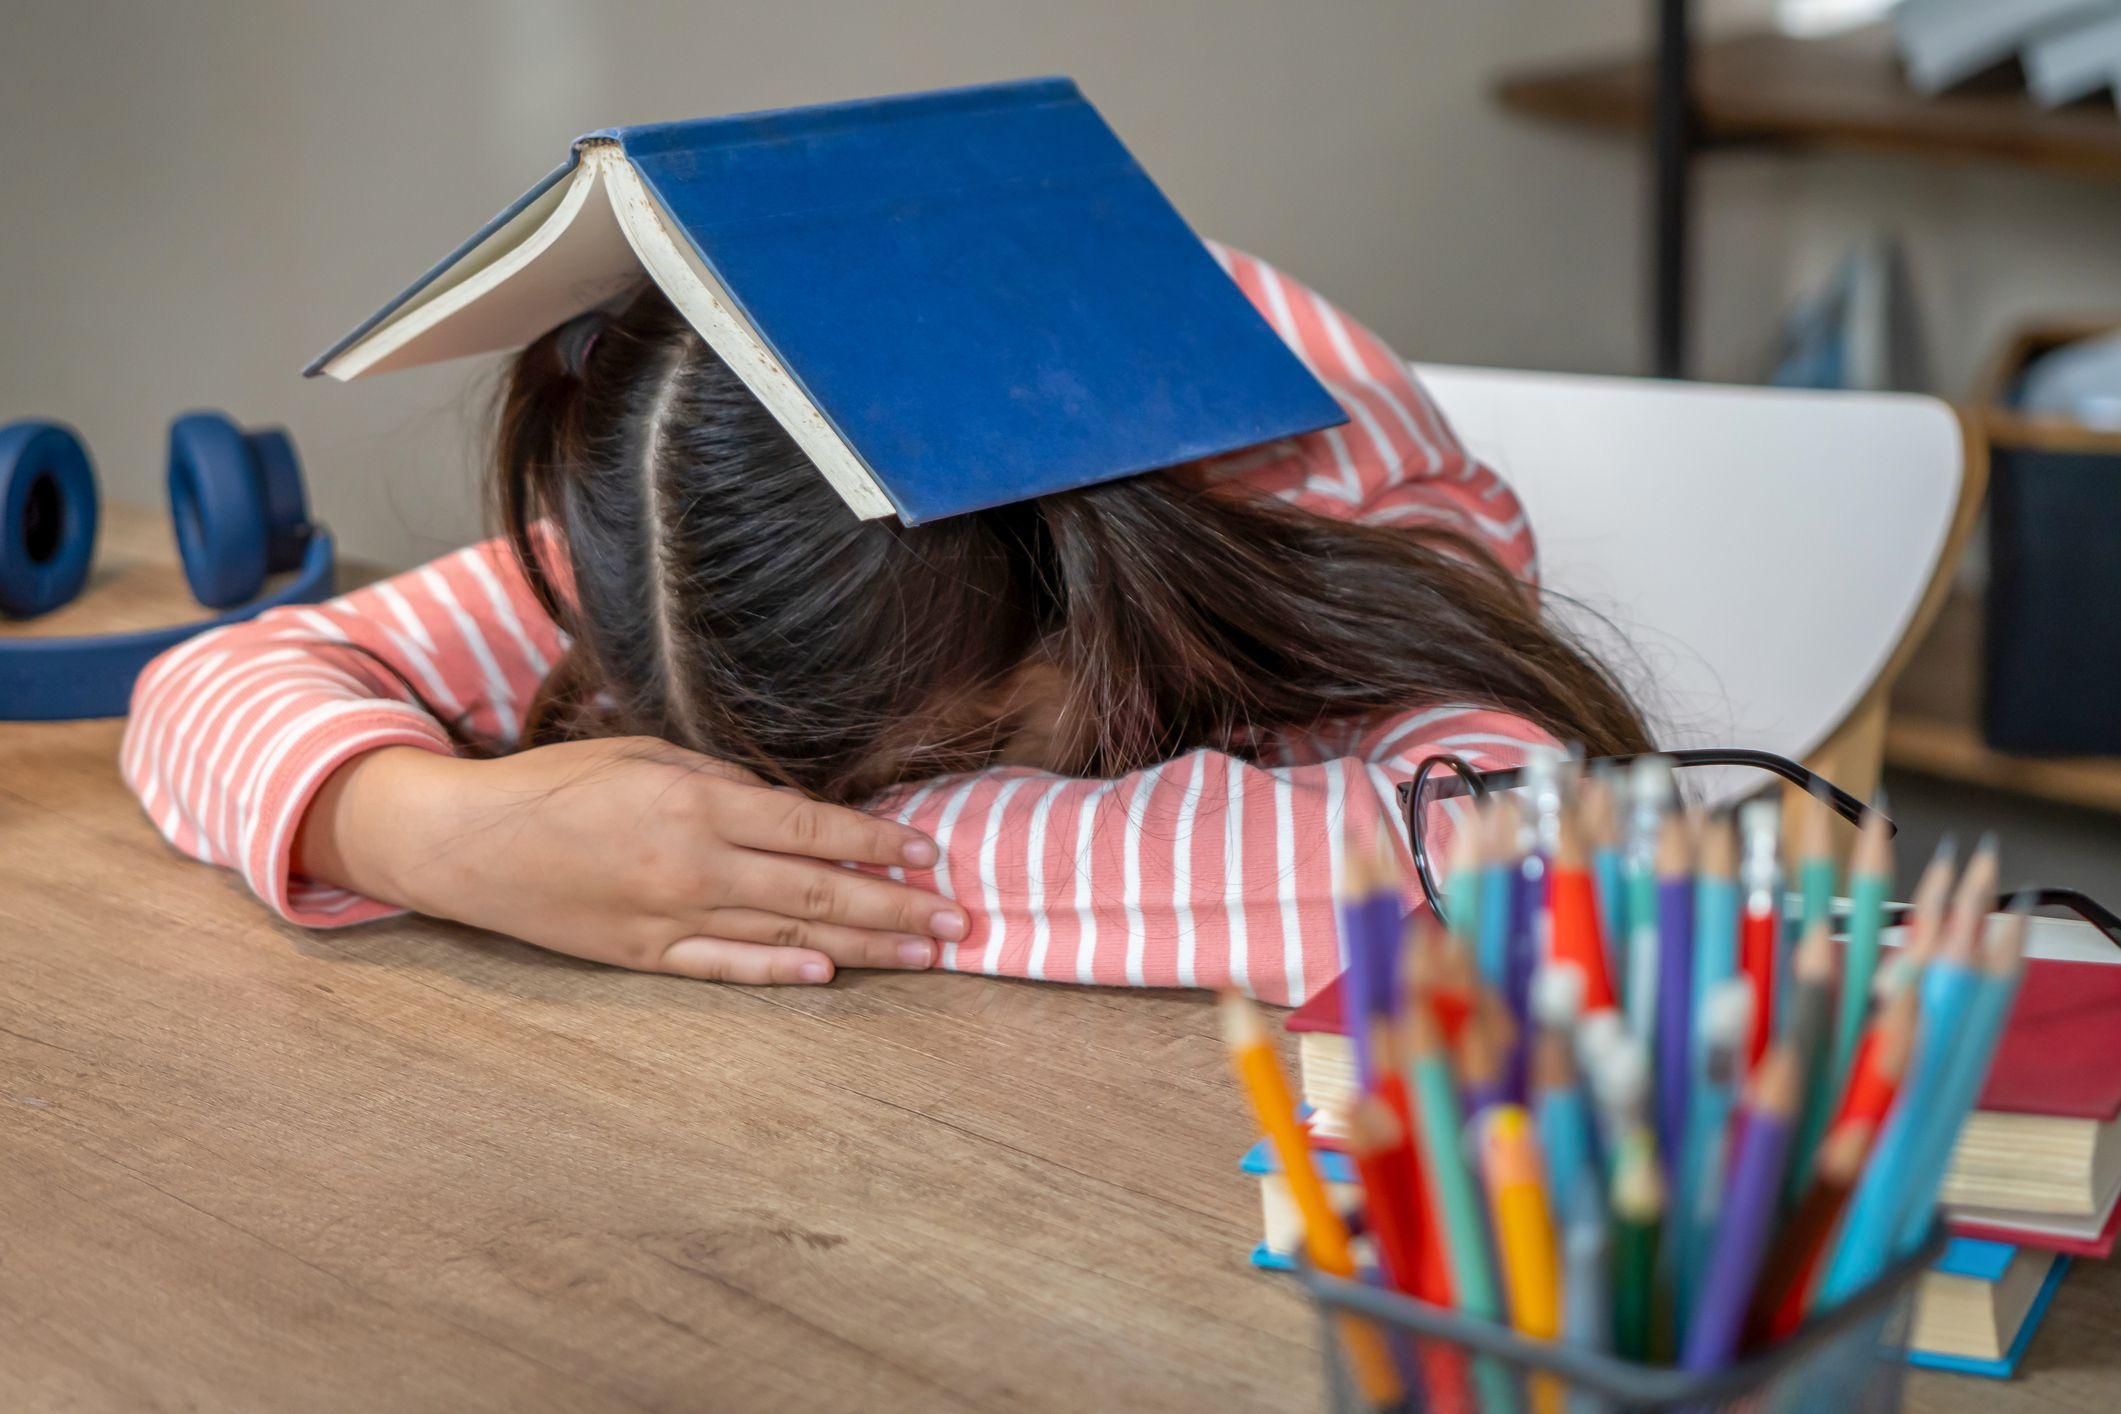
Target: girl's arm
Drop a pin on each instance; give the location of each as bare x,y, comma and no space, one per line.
292,749
1206,871
233,733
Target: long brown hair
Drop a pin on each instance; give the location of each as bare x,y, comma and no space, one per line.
725,599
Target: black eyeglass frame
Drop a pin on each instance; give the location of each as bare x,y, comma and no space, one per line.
1465,781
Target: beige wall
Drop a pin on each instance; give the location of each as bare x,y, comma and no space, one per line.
202,196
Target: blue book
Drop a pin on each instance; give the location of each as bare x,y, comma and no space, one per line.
1977,1308
950,300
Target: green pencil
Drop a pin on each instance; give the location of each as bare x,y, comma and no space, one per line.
1638,1205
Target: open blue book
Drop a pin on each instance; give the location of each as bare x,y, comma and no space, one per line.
950,300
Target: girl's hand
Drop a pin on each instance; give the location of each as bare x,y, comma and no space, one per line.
629,851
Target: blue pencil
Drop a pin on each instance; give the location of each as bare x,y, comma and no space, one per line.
1558,1103
1966,1071
1877,1210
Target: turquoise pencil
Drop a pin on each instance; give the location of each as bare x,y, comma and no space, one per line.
1498,907
1651,797
1870,885
1715,915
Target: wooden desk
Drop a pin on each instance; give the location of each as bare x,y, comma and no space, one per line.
414,1166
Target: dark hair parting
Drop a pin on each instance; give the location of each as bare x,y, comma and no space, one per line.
723,597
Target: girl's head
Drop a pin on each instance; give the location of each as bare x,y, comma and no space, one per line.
726,599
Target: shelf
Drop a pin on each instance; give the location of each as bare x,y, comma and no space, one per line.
1845,92
1934,725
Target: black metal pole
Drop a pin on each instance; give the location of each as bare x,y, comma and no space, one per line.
1671,150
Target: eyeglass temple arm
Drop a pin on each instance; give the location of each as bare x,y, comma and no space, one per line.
1847,806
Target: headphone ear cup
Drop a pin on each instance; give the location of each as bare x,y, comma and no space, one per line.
47,517
217,503
279,472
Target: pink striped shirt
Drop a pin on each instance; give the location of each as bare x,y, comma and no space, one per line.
1205,871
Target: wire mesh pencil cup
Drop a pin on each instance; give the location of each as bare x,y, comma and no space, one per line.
1851,1358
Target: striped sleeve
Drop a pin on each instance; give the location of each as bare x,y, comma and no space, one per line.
232,732
1395,461
1205,871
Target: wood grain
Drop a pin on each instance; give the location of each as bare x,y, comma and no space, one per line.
412,1166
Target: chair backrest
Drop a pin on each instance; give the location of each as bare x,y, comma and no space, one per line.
1751,557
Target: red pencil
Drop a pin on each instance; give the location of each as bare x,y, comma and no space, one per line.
1572,907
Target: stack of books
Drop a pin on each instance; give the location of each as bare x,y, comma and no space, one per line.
2035,1178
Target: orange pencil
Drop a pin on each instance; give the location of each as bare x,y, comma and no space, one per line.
1325,1235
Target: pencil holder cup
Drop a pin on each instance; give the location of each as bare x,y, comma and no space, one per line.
1851,1358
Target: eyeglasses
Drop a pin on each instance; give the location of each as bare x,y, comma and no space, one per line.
1446,791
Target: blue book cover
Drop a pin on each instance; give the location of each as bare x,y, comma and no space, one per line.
951,300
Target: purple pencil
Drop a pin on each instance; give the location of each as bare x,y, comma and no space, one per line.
1749,1210
1370,922
1675,985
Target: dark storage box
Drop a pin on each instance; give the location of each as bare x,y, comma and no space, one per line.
2052,681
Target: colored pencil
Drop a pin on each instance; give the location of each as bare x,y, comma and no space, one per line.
1375,1138
1619,1075
1870,884
1718,1317
1650,800
1726,1026
1816,866
1638,1209
1601,828
1523,1222
1369,913
1586,1273
1573,915
1462,879
1675,984
1484,1052
1760,924
1380,1143
1810,1017
1870,1230
1562,1111
1450,1182
1325,1234
2002,966
1716,907
1497,923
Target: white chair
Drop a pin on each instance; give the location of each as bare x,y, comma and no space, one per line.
1757,562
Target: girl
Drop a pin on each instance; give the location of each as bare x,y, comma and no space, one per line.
1116,735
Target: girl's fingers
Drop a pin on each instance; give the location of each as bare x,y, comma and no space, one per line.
753,964
786,823
848,947
823,893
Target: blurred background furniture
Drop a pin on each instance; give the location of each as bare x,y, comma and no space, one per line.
1758,562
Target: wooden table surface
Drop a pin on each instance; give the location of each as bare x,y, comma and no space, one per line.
411,1165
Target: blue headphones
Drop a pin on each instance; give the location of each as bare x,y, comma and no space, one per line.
236,500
